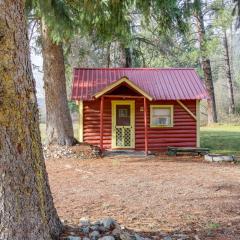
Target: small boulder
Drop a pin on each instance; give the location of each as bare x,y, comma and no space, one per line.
73,238
102,229
85,229
86,238
116,232
125,236
97,223
94,235
167,238
108,223
107,238
84,222
137,237
181,236
94,227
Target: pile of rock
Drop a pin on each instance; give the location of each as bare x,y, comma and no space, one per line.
106,229
79,151
109,229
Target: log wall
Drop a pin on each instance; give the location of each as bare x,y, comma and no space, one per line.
182,134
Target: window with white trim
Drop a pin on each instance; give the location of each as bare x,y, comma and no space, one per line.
161,115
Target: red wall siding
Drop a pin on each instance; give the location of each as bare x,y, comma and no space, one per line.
183,133
91,123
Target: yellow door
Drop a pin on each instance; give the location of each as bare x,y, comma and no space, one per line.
123,119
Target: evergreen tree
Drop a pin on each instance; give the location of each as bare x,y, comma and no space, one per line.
56,27
196,13
26,204
223,22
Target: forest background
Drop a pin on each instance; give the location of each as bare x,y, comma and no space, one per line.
145,45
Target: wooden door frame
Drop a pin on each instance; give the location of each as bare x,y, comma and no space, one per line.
131,103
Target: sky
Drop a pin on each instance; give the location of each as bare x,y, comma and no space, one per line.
37,73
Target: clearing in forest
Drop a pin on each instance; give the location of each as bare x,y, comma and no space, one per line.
150,194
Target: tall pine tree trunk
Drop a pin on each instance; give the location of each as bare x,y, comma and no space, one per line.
206,66
109,55
125,56
231,108
58,119
128,55
26,204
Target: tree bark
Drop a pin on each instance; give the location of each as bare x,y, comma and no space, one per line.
26,204
206,66
125,56
109,55
128,55
231,108
58,120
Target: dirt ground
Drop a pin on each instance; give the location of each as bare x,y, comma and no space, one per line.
151,195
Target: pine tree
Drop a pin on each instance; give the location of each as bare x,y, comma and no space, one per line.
26,204
56,27
196,10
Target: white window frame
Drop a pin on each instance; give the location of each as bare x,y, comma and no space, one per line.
163,107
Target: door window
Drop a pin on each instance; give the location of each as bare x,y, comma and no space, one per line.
123,115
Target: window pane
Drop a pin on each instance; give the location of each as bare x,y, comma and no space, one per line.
161,112
123,115
161,116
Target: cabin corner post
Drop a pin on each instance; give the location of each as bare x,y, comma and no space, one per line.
145,126
80,105
101,122
198,121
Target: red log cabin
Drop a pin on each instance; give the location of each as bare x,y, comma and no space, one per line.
145,109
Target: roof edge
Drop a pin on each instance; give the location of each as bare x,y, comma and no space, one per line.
117,83
119,68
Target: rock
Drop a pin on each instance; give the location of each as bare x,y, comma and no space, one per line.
85,229
102,229
107,238
122,227
80,151
137,237
108,223
181,236
63,221
86,238
84,222
73,238
94,227
97,223
167,238
125,236
116,232
94,235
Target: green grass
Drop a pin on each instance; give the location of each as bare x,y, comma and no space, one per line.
221,139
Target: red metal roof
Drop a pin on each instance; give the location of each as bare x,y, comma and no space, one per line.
160,83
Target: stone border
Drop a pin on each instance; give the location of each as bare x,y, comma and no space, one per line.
219,158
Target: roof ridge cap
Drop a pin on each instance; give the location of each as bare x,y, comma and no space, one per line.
119,68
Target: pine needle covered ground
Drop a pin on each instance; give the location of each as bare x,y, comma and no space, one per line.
154,196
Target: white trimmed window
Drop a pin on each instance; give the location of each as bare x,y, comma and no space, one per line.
161,116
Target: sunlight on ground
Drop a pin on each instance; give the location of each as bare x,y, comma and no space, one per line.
221,138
